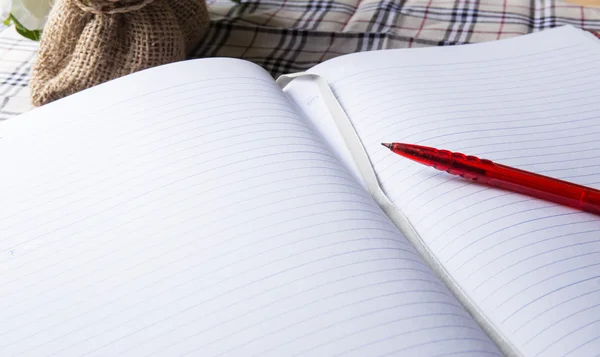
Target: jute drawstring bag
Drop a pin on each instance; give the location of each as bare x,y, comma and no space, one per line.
88,42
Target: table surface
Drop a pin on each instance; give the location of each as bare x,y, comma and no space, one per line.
591,3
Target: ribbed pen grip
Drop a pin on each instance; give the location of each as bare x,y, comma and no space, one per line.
455,163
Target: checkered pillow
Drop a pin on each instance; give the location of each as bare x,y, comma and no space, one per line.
287,36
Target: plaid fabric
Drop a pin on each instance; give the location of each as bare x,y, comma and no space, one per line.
287,36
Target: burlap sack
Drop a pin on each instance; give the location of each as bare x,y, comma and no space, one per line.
88,42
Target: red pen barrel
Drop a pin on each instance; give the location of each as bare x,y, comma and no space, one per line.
496,175
591,202
543,187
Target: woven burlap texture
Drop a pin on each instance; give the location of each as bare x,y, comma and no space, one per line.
89,42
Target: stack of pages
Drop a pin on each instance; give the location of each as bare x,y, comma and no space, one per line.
203,208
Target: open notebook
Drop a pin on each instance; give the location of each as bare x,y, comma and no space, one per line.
204,209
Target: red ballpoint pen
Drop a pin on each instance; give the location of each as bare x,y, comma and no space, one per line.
501,176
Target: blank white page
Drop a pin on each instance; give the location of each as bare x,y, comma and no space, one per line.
530,102
189,210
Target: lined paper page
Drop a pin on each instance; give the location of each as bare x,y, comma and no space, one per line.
530,102
200,215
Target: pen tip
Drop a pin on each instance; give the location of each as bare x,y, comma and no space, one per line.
387,145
